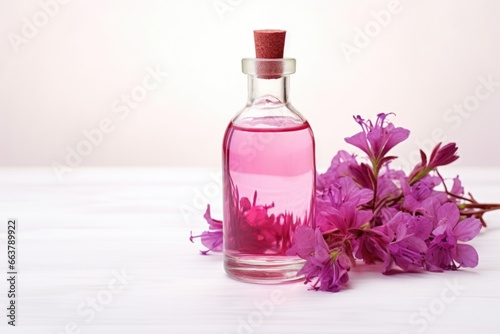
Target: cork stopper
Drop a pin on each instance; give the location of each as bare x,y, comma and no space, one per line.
269,44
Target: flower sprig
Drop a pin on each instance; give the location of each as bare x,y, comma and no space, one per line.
371,212
211,239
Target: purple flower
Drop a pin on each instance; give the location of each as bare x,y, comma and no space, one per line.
309,245
429,208
334,274
345,190
252,229
444,252
440,156
385,214
212,239
256,215
377,140
344,218
386,186
369,244
407,252
422,190
346,223
339,167
407,248
363,175
330,268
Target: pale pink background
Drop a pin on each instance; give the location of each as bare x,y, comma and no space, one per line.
66,78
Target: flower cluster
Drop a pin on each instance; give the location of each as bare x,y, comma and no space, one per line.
258,231
367,211
252,229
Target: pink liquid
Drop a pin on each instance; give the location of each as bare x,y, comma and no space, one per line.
269,176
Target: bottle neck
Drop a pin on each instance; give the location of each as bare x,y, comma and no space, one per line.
268,90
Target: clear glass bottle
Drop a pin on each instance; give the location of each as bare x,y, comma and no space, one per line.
269,177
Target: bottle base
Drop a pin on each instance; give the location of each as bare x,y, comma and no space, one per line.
262,269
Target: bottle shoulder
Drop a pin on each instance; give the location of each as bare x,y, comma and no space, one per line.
269,116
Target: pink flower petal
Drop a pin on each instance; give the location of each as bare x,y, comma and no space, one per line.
448,212
439,230
466,256
467,229
359,140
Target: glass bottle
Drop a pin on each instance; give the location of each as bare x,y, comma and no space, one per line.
269,177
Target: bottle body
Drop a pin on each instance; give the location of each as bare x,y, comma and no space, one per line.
269,186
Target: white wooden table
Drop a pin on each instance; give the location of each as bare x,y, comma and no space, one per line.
107,251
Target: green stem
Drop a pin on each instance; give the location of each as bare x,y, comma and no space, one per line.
420,176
